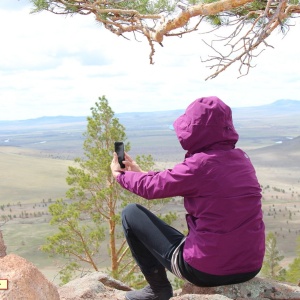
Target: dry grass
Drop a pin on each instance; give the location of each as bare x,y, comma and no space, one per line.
26,178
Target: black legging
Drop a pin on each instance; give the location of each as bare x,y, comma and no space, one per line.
151,240
152,243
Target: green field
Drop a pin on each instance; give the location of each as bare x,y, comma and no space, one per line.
25,177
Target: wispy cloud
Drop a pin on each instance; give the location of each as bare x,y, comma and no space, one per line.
54,65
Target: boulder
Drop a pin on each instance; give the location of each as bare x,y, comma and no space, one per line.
98,286
94,286
25,281
256,288
200,297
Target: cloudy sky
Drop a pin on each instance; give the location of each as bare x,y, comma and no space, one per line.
55,65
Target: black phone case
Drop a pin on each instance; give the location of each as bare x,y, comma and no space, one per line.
119,149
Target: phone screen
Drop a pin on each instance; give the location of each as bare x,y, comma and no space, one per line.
119,149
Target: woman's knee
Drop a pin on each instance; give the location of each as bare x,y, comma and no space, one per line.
130,215
130,210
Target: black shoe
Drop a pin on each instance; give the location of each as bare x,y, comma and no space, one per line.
159,287
147,293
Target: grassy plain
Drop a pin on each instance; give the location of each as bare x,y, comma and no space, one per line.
26,177
34,165
40,181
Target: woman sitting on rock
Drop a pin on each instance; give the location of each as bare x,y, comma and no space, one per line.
226,234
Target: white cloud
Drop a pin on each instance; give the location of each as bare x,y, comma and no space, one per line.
54,65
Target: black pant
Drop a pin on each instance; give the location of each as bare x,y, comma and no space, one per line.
151,240
152,243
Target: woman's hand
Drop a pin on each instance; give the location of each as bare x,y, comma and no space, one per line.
115,166
131,165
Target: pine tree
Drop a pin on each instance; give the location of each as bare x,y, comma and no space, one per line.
271,267
293,272
88,219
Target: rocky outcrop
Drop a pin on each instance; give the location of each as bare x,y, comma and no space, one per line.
257,288
25,281
98,286
201,297
94,286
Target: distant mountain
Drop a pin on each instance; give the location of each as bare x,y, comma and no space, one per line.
286,103
42,122
279,108
285,153
45,120
149,132
157,118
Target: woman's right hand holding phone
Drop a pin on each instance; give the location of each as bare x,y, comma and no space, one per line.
131,165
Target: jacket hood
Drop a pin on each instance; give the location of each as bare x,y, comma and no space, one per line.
206,124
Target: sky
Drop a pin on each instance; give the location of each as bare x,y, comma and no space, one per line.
54,65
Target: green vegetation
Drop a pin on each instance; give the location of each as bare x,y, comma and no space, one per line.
293,273
25,240
272,268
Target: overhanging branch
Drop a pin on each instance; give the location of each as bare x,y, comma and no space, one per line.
154,23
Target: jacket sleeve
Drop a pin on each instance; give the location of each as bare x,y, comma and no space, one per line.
179,181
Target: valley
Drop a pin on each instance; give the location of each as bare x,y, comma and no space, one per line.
35,155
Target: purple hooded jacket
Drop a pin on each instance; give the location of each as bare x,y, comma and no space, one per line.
221,193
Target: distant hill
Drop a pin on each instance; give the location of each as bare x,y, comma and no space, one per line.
157,118
283,154
42,122
279,108
149,132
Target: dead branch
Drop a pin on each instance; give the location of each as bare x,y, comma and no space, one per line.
243,49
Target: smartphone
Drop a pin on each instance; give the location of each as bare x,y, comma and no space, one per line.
119,149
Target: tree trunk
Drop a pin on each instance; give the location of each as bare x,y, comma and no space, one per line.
2,246
114,257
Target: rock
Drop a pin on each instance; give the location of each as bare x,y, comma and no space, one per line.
25,281
201,297
94,286
256,288
98,286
